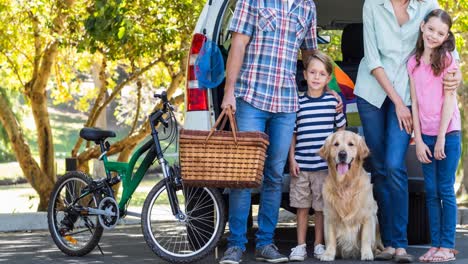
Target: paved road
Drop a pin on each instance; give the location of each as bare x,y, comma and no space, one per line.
126,245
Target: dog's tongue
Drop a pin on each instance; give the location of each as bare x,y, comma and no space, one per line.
342,168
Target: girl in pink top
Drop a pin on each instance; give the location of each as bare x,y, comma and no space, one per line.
437,126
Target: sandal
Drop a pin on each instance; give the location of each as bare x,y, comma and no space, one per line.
404,258
401,256
428,254
443,256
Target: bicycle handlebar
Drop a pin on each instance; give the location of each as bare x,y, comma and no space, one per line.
162,96
166,107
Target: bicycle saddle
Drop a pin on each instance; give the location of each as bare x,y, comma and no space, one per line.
95,134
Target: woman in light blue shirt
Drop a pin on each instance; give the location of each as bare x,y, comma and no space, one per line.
390,32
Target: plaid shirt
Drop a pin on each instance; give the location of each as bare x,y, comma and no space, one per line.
267,79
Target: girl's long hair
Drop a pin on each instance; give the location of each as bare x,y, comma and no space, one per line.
439,58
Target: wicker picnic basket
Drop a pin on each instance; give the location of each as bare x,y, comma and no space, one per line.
224,159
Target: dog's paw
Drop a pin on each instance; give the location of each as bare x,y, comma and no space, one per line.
367,254
327,256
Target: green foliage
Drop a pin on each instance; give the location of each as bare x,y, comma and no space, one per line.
333,49
130,34
134,29
135,33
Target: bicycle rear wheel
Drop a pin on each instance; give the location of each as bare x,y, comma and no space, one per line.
73,233
188,240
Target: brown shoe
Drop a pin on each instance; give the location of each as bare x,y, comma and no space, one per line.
383,256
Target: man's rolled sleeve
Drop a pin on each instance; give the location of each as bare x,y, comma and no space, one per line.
243,20
371,52
310,39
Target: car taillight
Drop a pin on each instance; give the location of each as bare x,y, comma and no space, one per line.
197,99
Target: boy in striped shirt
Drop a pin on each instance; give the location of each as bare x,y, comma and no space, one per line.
317,118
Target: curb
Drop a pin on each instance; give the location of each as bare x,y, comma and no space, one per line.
462,216
38,221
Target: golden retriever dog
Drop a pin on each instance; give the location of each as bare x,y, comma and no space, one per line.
350,211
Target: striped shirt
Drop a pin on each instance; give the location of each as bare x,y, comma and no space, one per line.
316,120
267,78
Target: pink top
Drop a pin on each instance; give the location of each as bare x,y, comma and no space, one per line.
430,97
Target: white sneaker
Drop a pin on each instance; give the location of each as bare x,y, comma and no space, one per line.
319,250
298,253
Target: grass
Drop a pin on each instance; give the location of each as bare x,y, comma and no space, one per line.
353,119
22,198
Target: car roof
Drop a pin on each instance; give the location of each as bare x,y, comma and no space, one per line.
335,14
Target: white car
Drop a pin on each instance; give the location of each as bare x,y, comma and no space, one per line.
203,105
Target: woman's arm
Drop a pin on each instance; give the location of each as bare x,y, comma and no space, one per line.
372,57
422,150
447,113
402,111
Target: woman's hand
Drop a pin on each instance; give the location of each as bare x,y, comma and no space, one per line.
423,152
294,168
452,79
404,117
439,149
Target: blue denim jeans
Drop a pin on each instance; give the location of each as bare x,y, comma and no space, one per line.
388,145
279,127
439,177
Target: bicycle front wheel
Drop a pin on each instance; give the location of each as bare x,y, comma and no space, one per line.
74,234
187,240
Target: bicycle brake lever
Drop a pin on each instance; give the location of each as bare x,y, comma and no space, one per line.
164,122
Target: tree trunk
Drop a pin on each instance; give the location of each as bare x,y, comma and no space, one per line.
36,93
32,171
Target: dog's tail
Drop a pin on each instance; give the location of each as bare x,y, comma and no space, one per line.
378,247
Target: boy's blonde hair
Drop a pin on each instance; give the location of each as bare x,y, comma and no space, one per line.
324,58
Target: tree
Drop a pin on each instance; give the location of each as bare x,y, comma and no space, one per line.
458,9
30,46
47,45
140,35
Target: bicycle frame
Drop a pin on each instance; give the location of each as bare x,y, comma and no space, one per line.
131,181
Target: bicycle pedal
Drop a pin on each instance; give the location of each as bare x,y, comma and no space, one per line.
71,239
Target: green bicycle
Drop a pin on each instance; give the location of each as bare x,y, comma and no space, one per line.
179,223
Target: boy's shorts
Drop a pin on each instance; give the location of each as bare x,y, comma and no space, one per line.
306,190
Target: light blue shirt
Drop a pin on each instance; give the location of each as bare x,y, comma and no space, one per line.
388,45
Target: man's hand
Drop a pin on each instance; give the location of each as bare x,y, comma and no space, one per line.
452,79
229,99
339,106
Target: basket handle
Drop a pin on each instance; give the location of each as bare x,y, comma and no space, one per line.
224,116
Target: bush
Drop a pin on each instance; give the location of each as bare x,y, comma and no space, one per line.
6,155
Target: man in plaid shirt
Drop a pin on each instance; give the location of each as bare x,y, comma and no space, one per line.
261,88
